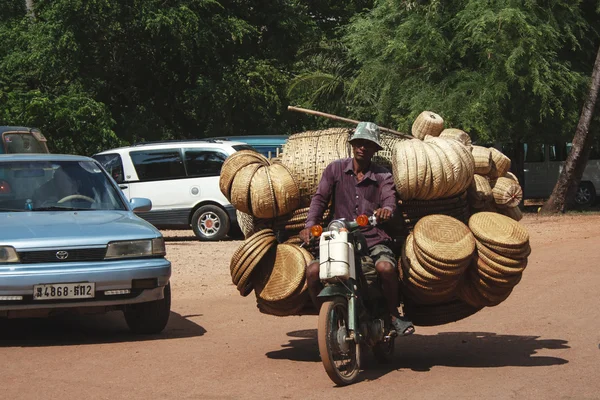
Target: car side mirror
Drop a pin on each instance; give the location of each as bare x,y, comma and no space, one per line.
139,204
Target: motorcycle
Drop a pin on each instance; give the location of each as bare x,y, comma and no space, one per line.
353,316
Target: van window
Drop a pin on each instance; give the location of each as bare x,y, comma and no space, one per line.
158,164
558,151
112,164
199,162
534,152
23,142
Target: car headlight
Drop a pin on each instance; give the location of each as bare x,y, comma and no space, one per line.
136,248
8,255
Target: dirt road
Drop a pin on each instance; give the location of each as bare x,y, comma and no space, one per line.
543,342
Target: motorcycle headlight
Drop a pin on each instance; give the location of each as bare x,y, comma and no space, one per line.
336,225
8,255
136,248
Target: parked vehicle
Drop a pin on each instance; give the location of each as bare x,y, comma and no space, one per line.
70,242
268,145
182,180
352,317
20,139
543,164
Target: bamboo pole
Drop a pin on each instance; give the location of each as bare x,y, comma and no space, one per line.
342,119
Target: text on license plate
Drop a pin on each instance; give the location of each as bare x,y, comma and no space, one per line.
54,291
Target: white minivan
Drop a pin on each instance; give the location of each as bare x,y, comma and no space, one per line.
182,180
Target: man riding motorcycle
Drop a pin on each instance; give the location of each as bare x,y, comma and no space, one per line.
359,186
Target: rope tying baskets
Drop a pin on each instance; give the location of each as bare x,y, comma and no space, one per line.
427,123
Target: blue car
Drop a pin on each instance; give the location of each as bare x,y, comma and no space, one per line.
70,242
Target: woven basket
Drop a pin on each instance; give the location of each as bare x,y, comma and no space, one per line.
450,171
287,195
458,135
438,176
245,250
262,194
285,277
388,140
483,159
480,191
507,193
307,154
233,164
250,263
512,212
497,229
500,163
240,189
400,169
427,123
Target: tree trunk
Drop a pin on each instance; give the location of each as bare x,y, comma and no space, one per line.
29,8
568,181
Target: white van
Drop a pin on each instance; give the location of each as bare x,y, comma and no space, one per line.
182,180
543,164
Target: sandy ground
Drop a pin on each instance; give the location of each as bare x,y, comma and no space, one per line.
542,342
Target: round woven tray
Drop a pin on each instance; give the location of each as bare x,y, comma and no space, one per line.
240,251
502,269
251,262
262,195
238,261
496,229
444,238
240,189
286,276
504,281
501,259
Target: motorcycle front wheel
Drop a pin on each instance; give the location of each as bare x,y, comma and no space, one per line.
340,354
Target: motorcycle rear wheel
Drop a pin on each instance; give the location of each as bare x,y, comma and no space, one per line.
340,357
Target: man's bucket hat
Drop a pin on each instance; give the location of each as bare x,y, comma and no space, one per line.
367,131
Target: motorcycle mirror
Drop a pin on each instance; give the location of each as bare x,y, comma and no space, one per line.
362,220
316,230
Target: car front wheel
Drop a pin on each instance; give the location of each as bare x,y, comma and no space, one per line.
210,223
150,317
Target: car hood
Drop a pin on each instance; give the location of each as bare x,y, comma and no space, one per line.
42,229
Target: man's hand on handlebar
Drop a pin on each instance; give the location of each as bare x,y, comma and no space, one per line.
305,235
382,214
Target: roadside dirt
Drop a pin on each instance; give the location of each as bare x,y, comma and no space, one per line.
542,342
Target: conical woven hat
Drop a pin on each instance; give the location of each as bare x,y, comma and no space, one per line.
286,276
240,189
427,123
507,193
287,195
233,164
498,229
458,135
444,238
262,194
482,157
251,261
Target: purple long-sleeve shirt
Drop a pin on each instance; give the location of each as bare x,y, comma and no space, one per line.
353,198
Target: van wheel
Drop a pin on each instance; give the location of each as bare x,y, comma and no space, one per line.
210,223
586,194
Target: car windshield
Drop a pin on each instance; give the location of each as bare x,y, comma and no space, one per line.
56,186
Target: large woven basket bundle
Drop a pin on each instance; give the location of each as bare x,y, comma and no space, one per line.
431,169
307,154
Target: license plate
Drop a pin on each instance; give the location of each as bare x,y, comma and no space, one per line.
84,290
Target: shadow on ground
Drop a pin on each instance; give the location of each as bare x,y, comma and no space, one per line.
66,330
449,349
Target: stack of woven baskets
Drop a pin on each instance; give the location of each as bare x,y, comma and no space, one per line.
448,270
